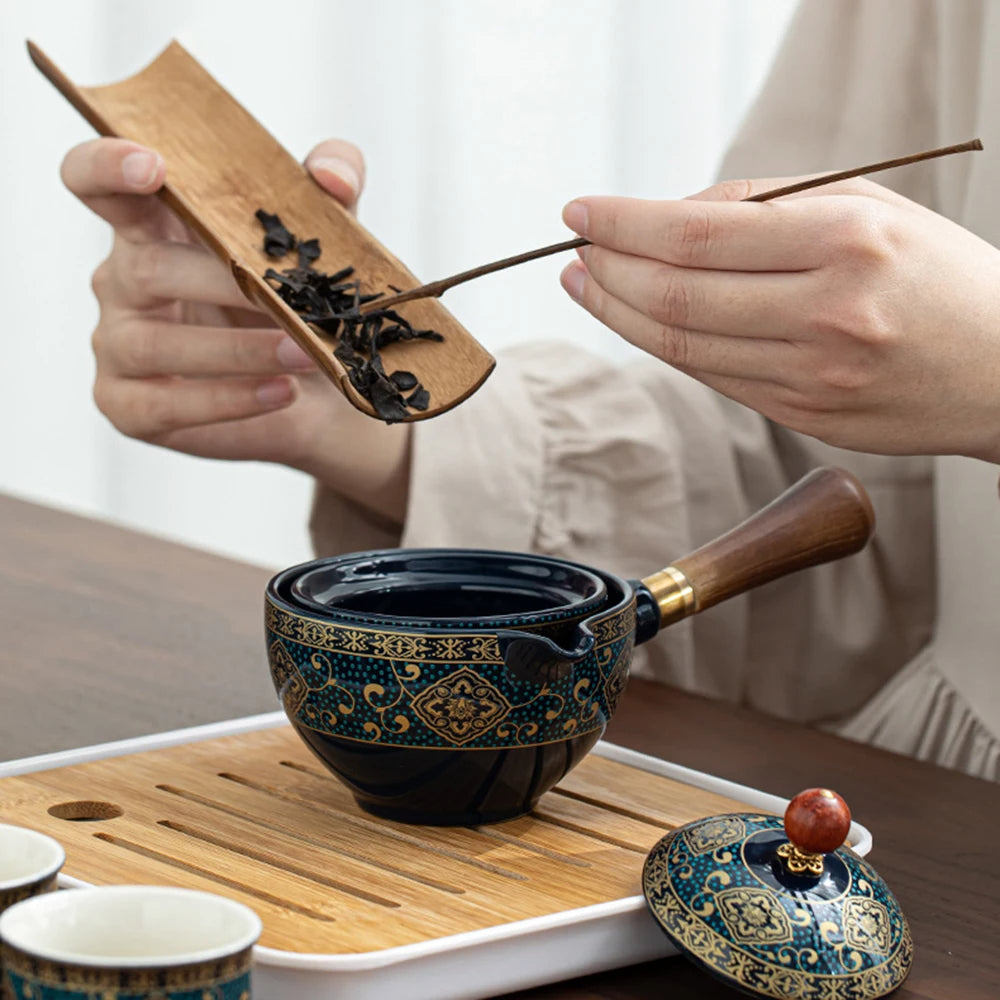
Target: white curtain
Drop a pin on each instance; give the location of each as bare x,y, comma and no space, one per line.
479,120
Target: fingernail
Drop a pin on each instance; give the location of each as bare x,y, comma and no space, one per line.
573,278
274,392
139,169
575,216
338,167
290,355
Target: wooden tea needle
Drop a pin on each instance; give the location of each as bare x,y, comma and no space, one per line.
435,289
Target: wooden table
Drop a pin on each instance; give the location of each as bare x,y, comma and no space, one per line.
109,634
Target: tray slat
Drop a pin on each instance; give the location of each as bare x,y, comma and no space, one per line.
253,816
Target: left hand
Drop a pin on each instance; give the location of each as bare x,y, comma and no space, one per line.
184,361
847,312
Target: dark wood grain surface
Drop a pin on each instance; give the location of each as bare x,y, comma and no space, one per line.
109,634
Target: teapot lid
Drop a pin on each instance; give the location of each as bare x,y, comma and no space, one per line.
778,908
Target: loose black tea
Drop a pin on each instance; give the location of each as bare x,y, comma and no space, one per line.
403,380
332,304
308,252
277,239
420,399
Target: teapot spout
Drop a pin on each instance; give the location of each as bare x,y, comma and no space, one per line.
535,659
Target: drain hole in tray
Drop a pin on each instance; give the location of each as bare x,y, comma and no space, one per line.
85,811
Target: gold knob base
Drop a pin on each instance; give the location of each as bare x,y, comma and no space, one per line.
800,862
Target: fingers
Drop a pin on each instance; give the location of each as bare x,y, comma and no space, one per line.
254,438
149,409
734,303
698,353
740,190
339,168
742,236
790,234
112,166
148,348
144,275
113,177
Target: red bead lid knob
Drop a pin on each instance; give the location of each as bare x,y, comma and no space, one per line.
817,821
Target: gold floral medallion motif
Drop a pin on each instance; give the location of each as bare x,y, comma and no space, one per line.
461,706
714,834
866,925
754,916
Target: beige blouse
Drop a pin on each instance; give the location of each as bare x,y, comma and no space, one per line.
895,646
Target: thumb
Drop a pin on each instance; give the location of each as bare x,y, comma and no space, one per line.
339,168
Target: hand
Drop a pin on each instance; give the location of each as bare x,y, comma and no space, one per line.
186,362
848,312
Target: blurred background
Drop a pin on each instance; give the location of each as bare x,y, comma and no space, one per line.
478,119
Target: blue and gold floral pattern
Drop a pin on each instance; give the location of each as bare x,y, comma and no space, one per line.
867,925
461,706
31,978
713,889
753,914
713,834
437,690
31,989
8,897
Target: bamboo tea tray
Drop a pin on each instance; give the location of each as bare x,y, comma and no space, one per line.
356,907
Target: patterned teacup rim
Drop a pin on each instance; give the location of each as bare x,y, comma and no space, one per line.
130,926
27,856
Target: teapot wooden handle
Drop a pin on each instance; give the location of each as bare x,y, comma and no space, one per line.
824,516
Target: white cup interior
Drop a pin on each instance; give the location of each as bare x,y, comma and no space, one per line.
122,926
27,856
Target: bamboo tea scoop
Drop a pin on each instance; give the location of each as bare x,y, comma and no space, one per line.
435,289
222,166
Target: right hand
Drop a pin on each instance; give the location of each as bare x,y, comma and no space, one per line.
185,361
847,312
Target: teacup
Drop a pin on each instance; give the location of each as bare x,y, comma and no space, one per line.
29,864
128,943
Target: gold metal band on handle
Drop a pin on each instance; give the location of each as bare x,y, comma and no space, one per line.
673,593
